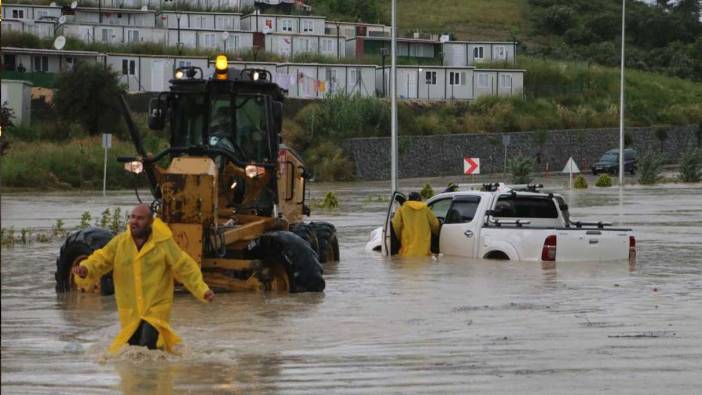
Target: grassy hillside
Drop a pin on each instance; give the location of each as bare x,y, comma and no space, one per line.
467,19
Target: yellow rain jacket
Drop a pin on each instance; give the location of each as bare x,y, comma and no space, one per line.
144,281
414,224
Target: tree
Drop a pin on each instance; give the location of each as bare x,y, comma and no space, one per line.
88,95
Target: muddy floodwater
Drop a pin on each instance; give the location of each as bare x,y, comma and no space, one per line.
441,325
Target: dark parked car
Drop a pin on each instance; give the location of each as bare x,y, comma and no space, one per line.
609,162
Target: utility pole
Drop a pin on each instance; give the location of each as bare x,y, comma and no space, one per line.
621,103
393,98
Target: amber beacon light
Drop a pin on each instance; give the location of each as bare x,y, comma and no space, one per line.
221,66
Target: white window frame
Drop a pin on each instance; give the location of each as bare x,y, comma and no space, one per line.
17,14
107,34
307,26
457,78
42,61
327,44
210,40
500,52
132,34
430,77
128,65
479,53
483,80
506,81
41,14
286,25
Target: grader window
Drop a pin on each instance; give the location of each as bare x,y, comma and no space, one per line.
252,128
188,117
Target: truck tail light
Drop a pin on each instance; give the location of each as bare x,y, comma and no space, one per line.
632,248
548,253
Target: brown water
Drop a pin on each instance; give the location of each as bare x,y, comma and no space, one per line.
384,326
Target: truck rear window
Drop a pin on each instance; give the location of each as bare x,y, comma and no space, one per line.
525,207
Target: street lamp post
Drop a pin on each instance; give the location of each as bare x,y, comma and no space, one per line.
621,103
383,54
179,44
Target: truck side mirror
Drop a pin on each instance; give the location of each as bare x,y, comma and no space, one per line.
157,114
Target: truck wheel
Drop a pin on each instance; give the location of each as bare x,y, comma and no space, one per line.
307,234
328,242
77,247
291,252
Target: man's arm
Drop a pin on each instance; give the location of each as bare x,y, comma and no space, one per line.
433,222
186,271
99,263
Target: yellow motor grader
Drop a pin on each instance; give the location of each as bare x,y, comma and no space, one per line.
232,193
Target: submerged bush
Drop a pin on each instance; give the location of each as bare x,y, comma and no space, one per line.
580,182
603,181
520,168
650,167
426,192
690,165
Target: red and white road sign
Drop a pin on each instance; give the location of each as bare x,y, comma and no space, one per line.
471,165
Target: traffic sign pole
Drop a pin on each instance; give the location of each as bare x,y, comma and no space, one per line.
106,144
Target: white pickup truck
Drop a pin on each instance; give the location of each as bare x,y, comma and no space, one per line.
513,223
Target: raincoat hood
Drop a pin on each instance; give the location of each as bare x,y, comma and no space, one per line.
159,231
415,205
143,281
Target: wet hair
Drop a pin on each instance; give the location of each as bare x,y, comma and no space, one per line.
400,199
415,196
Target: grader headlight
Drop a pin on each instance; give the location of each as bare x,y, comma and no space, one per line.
134,166
253,171
179,74
221,67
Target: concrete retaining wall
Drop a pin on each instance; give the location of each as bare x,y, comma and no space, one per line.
441,155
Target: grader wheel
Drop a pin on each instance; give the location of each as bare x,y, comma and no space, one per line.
279,280
286,252
78,246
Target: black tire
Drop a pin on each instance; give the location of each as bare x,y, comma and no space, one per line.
81,243
295,254
307,234
328,242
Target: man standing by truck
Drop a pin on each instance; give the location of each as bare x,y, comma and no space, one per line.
144,260
414,223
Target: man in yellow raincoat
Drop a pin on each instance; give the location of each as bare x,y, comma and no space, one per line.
144,261
414,223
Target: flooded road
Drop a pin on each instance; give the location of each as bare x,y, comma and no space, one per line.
384,326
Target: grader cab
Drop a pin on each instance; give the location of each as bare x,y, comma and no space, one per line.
232,194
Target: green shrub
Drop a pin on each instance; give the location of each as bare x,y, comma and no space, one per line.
580,182
426,192
330,201
520,167
84,220
88,95
328,163
603,181
650,167
690,165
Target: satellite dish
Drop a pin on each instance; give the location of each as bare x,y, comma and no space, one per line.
62,19
59,42
52,4
144,8
74,5
225,36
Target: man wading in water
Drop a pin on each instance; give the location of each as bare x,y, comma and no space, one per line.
144,260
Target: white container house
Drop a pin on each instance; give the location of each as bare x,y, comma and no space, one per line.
268,23
470,53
